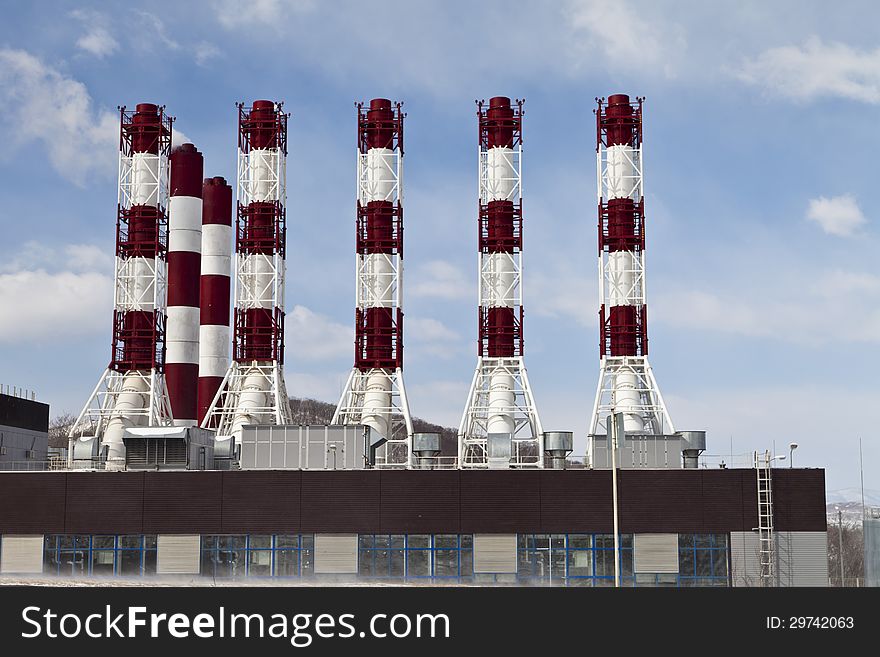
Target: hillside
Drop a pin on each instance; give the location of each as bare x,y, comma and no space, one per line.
312,411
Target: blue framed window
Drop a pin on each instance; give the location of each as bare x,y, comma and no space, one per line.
703,560
78,555
573,559
257,555
293,555
416,556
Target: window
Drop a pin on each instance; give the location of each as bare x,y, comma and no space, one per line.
573,559
703,560
541,557
415,556
258,555
224,556
293,555
82,555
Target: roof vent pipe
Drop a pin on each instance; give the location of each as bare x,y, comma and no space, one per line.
693,443
557,446
425,448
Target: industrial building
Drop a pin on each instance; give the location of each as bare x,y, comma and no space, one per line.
185,461
24,430
684,527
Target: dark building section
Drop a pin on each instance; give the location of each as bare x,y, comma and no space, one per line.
24,413
403,502
24,433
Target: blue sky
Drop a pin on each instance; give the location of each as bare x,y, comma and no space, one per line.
760,142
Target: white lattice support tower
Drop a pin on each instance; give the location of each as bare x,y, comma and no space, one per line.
132,391
500,399
375,394
626,381
253,390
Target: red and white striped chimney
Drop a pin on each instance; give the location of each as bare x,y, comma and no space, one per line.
214,335
184,253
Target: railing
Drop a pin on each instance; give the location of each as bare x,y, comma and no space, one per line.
48,465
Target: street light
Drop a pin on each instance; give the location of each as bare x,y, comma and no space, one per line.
791,448
840,541
615,428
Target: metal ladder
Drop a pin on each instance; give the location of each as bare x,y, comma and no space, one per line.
765,518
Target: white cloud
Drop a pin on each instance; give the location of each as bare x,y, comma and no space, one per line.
325,387
825,421
816,70
45,106
566,292
429,330
625,36
97,40
311,336
269,13
806,314
558,40
440,279
840,282
156,32
54,293
838,215
205,52
440,402
430,337
42,305
88,257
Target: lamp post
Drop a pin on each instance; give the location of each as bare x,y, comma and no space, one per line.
840,542
791,448
615,424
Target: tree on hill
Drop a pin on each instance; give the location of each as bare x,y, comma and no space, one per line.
312,411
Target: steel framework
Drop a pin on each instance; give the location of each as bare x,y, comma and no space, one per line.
626,380
253,390
375,394
500,398
132,390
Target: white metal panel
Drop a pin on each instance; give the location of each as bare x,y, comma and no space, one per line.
803,557
501,173
21,554
146,178
655,553
182,335
263,182
494,553
745,562
871,529
216,250
381,174
257,282
185,224
336,554
178,555
622,174
214,341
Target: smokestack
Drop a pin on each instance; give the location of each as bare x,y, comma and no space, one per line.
253,391
500,401
214,336
374,394
626,381
184,256
132,391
